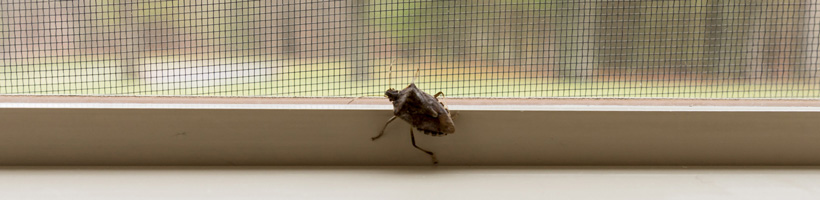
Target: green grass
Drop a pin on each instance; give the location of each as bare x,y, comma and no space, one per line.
334,79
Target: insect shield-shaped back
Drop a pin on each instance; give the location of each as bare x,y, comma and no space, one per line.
423,111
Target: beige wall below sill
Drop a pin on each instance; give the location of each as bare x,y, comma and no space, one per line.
60,134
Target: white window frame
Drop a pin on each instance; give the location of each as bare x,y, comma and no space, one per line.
103,130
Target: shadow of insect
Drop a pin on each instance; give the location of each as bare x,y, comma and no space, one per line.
422,111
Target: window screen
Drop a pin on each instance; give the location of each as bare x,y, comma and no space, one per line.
464,48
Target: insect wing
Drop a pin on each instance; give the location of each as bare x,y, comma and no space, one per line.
425,112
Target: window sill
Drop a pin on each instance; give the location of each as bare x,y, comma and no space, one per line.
409,183
49,130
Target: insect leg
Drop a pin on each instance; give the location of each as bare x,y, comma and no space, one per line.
439,93
385,126
413,139
354,99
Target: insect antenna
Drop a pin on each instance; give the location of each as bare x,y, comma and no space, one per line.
416,75
390,74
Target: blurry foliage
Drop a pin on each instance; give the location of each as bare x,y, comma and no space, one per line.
420,25
575,41
163,9
578,36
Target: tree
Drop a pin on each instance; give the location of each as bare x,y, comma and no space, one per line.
360,56
131,38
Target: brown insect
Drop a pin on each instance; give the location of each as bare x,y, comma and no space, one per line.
424,112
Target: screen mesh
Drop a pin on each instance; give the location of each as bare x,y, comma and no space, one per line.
464,48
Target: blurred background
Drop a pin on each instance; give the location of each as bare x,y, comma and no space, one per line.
464,48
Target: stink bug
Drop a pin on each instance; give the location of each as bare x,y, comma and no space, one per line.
424,112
